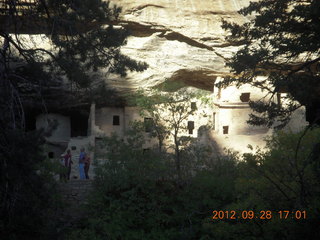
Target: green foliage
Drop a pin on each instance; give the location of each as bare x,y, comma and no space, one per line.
279,43
28,197
169,113
171,86
136,195
82,45
32,74
283,177
79,40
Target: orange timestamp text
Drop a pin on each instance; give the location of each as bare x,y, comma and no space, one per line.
262,215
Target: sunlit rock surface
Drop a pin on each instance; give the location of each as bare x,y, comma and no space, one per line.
183,43
181,40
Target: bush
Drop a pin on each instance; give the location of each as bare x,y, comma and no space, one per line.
283,177
137,196
27,190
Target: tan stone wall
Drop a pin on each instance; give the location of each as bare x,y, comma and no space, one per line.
229,111
232,112
236,120
298,120
104,120
232,94
131,114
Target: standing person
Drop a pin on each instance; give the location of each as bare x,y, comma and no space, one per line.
68,162
62,173
87,165
81,163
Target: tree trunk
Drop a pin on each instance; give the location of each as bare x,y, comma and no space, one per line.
160,145
177,154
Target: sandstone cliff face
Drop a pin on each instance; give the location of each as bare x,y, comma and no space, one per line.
181,40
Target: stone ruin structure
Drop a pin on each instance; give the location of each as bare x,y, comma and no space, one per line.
183,43
226,116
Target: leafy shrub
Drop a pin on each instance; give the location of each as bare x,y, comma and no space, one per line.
283,177
137,196
27,190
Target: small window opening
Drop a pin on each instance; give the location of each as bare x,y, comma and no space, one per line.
145,150
225,129
245,97
279,98
190,126
116,120
193,106
73,148
50,155
148,122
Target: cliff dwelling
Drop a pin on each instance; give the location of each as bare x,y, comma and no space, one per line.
184,47
144,119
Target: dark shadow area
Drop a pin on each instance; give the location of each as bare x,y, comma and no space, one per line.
79,123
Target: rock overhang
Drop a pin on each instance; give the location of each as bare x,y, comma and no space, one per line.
180,41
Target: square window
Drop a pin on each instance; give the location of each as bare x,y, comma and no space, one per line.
190,126
116,120
225,129
245,97
50,155
145,150
193,106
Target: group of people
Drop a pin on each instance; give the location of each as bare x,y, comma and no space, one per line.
84,164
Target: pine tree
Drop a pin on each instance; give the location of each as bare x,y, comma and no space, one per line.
280,42
81,41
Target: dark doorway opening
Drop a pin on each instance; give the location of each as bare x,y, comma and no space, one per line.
79,124
190,126
225,129
50,155
116,120
193,106
31,119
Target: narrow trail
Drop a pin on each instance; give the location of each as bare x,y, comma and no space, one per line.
75,195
